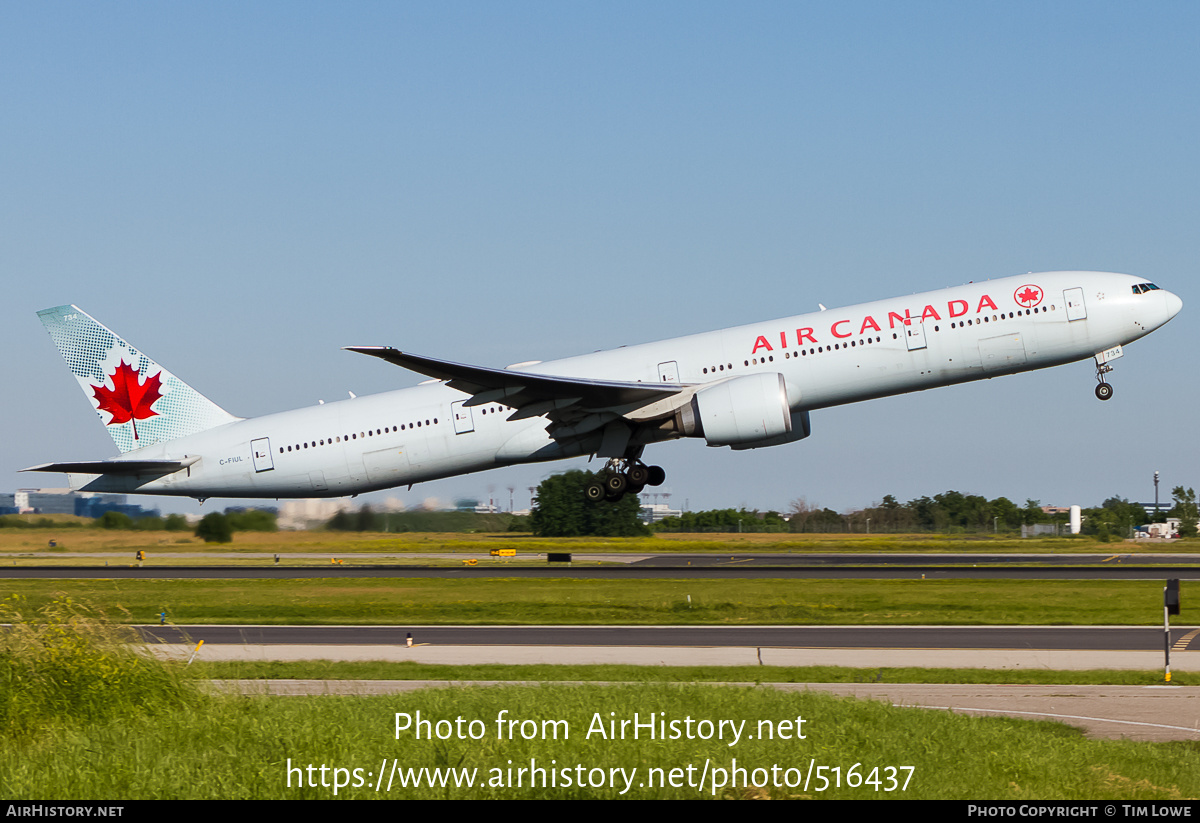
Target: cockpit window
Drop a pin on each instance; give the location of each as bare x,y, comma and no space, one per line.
1142,288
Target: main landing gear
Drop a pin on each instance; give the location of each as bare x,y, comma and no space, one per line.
621,477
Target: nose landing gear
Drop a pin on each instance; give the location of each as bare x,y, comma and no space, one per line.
621,477
1103,390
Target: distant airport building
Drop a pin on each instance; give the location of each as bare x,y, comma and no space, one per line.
654,512
66,501
239,509
1160,531
295,515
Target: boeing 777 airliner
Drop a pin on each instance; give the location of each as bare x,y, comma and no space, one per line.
743,387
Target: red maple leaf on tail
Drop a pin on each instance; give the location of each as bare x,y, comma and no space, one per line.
128,399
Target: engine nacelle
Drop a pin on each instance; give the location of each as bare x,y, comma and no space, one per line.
744,413
800,430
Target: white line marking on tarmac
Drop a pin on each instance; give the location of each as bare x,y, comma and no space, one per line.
1060,716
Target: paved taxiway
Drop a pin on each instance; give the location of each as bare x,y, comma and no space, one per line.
906,639
995,647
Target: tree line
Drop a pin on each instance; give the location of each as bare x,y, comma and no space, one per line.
561,509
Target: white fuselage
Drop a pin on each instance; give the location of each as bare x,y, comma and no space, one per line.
827,358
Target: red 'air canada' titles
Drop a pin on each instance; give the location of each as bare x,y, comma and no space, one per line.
845,329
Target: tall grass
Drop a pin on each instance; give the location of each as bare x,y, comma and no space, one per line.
66,662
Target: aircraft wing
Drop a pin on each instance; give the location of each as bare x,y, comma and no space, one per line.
115,466
518,389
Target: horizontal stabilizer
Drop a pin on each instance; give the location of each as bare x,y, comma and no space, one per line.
116,466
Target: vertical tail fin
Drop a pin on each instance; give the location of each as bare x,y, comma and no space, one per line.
139,402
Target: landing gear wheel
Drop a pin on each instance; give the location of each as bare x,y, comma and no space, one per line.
657,476
1104,391
615,486
638,474
594,492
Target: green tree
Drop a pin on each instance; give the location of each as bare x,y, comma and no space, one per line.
806,518
341,522
365,520
252,520
114,520
563,510
888,516
723,520
1032,513
1185,509
215,528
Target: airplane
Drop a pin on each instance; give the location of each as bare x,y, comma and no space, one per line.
746,387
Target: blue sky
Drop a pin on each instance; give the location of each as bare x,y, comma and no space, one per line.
242,189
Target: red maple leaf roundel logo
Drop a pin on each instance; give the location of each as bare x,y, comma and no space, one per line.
128,399
1028,296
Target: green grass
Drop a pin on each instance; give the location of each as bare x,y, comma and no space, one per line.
66,663
403,601
252,748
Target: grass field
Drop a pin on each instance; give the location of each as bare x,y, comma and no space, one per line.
411,601
319,748
14,542
84,720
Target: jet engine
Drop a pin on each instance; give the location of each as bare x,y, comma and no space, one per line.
745,413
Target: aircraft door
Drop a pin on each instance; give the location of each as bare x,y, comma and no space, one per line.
464,421
261,449
668,372
914,335
1075,308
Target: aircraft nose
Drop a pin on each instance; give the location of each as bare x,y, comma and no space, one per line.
1173,303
